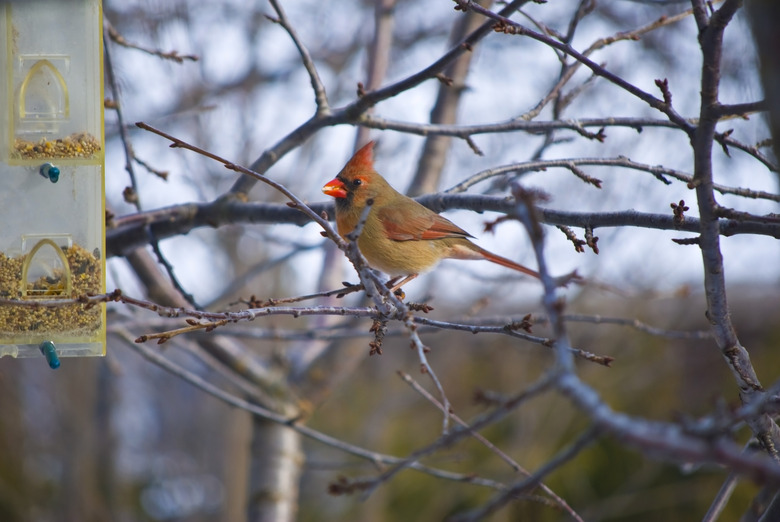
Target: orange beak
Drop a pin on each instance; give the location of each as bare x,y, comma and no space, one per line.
335,188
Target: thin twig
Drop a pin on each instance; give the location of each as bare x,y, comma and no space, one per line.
133,195
426,367
291,422
129,231
513,125
667,440
165,55
711,41
534,480
320,96
457,434
721,499
509,26
603,360
378,55
492,447
355,111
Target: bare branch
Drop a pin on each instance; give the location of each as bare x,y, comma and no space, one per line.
505,25
434,152
128,232
320,96
131,193
603,360
534,127
457,434
355,111
503,456
660,439
379,55
533,481
721,499
737,357
292,423
165,55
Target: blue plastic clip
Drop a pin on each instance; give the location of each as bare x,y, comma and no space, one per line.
50,352
50,172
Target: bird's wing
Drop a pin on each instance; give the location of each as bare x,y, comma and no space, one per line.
409,226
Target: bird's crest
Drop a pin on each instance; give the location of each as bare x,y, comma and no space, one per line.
363,160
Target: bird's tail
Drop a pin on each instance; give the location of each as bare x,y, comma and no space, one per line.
490,256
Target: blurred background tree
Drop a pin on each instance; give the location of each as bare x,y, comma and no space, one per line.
603,112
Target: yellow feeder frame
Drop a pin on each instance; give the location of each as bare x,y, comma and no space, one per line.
52,206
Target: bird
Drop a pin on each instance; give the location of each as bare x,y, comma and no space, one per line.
400,237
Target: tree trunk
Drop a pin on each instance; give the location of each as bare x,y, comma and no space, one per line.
277,459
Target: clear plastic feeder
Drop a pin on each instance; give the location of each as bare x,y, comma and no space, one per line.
52,210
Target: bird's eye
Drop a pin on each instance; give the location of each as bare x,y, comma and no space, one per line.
357,182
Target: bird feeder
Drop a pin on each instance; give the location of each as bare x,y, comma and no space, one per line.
52,209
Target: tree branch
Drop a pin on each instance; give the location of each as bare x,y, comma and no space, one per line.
353,112
737,357
128,232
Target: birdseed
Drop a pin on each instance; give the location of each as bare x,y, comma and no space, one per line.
70,320
77,145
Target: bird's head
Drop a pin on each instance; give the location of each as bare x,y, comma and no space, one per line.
358,181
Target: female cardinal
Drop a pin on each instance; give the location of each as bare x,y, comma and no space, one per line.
400,237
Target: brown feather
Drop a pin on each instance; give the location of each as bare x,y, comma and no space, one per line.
417,223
